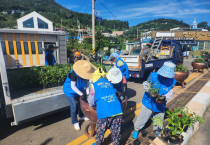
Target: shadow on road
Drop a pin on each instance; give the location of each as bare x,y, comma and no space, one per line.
47,141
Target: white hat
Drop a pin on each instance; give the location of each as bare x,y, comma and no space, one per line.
114,75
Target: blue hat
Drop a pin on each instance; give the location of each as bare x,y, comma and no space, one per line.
113,55
167,70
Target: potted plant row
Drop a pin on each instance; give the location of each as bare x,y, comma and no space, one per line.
181,73
179,120
199,64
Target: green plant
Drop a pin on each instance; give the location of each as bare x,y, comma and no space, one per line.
179,119
157,121
181,68
199,60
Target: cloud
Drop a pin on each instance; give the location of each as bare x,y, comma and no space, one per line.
164,8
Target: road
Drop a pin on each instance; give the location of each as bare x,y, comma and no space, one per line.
56,129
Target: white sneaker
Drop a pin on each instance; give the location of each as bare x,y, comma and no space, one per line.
84,118
76,126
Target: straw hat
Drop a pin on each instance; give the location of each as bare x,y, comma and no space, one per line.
167,70
84,69
114,75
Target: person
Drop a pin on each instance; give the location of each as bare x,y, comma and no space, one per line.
118,51
77,56
108,107
49,57
119,63
164,81
75,86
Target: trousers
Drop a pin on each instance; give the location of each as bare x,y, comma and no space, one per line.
144,116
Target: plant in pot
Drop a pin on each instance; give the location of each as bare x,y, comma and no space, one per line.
164,132
178,122
153,90
199,64
181,73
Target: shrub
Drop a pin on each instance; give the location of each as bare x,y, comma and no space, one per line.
181,68
199,60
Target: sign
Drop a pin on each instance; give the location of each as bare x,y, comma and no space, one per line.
149,65
179,38
99,18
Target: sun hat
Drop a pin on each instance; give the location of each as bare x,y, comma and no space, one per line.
114,75
84,69
167,70
113,55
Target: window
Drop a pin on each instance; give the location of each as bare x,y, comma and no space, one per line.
3,47
200,45
42,24
208,45
40,48
18,48
28,23
11,49
33,48
26,47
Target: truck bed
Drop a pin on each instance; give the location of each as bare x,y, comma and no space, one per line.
31,94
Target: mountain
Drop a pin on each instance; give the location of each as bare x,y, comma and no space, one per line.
157,24
11,10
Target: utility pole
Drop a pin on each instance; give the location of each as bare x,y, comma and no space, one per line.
93,26
137,33
61,23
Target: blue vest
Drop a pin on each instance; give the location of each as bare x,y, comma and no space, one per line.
107,103
80,84
50,53
118,52
164,85
124,68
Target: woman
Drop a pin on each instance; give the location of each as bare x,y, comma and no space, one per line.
164,81
108,107
74,87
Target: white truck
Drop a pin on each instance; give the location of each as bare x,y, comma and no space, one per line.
25,48
147,59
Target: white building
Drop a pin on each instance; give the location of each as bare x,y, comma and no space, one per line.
34,22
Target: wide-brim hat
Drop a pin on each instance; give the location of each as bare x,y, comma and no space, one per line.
114,75
84,69
51,47
167,70
113,56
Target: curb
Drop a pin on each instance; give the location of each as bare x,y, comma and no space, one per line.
198,104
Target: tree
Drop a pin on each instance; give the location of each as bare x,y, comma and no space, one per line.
203,25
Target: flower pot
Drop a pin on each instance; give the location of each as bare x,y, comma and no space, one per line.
161,100
181,76
199,66
176,139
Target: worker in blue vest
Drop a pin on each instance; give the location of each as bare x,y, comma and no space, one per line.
49,57
164,81
108,107
76,86
118,51
119,63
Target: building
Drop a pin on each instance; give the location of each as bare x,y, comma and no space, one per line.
117,33
35,22
26,44
200,39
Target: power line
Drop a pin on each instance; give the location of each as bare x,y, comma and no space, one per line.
108,9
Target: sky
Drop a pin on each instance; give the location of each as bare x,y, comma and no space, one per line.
138,11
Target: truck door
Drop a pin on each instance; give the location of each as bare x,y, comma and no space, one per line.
4,89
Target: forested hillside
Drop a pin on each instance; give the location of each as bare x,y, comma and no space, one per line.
157,24
10,11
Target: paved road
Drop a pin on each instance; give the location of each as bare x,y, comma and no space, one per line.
201,137
56,129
